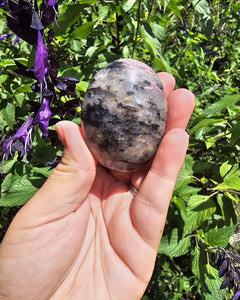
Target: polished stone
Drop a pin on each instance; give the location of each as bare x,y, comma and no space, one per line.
124,115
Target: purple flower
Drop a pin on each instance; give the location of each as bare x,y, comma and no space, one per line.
236,296
41,64
36,22
43,116
49,10
2,3
51,2
4,36
16,40
20,141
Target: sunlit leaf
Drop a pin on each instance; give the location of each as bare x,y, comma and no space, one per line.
173,245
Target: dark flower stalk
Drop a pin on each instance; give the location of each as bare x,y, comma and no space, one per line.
228,265
28,22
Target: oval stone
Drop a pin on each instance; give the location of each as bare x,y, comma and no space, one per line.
124,115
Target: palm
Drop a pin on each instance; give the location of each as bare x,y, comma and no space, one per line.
102,244
83,254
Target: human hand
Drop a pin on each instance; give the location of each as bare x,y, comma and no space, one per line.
84,234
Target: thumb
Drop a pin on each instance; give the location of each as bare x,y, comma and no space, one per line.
69,183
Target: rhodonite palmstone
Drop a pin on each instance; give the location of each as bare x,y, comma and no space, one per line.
124,115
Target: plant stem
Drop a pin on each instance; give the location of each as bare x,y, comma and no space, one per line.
137,28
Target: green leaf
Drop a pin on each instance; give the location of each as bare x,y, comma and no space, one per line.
83,31
196,200
151,42
158,31
195,253
3,122
128,4
185,175
67,18
194,218
3,78
218,106
210,283
174,6
82,86
8,114
161,63
231,180
24,88
87,1
17,190
224,168
43,171
174,246
206,122
166,2
7,62
235,133
202,7
219,236
8,164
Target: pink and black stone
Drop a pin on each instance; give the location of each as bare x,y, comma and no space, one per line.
124,115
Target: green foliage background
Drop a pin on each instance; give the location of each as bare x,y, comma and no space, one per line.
198,41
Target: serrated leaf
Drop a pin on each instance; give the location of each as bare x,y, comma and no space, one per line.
3,123
8,114
152,43
158,31
210,283
219,236
8,164
186,173
202,7
17,190
196,200
195,217
231,181
195,253
174,246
